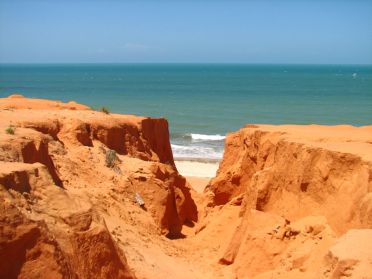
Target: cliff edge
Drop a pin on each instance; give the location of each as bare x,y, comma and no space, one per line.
65,170
300,188
88,194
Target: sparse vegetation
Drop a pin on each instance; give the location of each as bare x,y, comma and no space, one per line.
10,130
110,158
105,110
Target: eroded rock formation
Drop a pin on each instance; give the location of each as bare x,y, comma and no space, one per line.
287,201
285,174
54,180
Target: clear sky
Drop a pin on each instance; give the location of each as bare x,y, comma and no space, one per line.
277,31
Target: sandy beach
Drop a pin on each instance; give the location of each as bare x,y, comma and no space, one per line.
198,174
198,169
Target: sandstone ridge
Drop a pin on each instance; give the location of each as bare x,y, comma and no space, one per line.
282,175
288,201
61,169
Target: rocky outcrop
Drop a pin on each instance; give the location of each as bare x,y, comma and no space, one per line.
27,249
178,206
55,177
143,138
41,235
292,172
86,194
53,139
295,178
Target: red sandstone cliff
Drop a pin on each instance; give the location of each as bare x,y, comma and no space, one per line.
42,237
67,169
287,202
283,174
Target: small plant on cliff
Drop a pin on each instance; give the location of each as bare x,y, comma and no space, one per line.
105,110
10,130
110,158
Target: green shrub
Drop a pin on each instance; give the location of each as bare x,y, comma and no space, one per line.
105,110
110,158
10,130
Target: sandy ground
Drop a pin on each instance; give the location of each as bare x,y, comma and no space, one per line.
198,174
198,183
198,169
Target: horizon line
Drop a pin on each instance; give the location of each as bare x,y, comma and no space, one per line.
191,63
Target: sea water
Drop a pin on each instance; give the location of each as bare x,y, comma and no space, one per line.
203,102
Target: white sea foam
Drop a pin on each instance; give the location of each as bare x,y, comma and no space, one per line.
207,137
194,152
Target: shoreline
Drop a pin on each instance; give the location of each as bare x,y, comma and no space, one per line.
198,160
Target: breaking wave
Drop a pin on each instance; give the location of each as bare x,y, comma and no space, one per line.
207,137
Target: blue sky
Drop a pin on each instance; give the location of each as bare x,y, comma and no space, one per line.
289,31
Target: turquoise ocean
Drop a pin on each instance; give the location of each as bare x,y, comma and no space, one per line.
203,102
